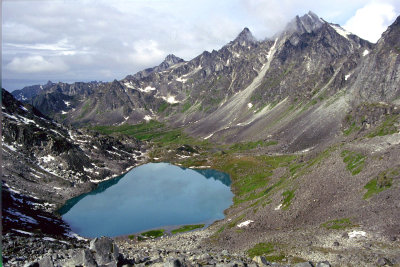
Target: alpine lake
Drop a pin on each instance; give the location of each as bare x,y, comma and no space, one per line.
151,196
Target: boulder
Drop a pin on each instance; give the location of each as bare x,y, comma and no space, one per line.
323,264
105,250
46,261
83,257
173,263
261,261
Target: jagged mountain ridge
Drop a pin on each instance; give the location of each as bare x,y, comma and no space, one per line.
240,92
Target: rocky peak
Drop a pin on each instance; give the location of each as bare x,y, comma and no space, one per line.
245,36
171,59
392,35
306,23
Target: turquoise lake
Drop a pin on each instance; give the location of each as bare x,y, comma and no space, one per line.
150,196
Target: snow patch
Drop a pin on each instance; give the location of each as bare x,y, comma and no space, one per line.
355,234
49,239
170,99
249,105
148,89
271,50
245,223
179,79
48,158
205,138
74,235
22,217
67,103
341,31
278,207
347,76
366,52
12,148
23,232
147,118
129,85
23,108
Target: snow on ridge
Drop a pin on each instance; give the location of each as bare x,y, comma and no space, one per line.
341,31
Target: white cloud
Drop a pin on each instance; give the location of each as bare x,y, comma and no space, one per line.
371,21
146,53
36,64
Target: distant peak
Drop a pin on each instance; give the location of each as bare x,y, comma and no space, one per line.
171,59
245,36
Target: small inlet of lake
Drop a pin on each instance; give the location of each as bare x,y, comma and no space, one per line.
150,196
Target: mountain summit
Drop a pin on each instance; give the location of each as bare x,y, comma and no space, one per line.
245,36
306,23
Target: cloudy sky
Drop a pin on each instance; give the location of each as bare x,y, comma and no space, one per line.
76,40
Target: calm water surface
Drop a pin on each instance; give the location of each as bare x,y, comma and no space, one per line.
150,196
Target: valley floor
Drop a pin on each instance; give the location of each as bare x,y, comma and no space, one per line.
316,205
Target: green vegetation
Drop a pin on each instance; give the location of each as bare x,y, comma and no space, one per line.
389,126
187,228
261,249
352,128
338,224
355,161
288,196
85,109
250,174
380,183
131,237
186,106
163,107
252,145
153,233
149,131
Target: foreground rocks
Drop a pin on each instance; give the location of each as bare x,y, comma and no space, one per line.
182,250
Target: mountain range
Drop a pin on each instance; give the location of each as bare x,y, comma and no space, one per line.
316,97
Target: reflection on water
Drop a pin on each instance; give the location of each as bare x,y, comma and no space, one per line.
150,196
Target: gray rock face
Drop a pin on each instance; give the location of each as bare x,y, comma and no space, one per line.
82,257
323,264
105,250
378,76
